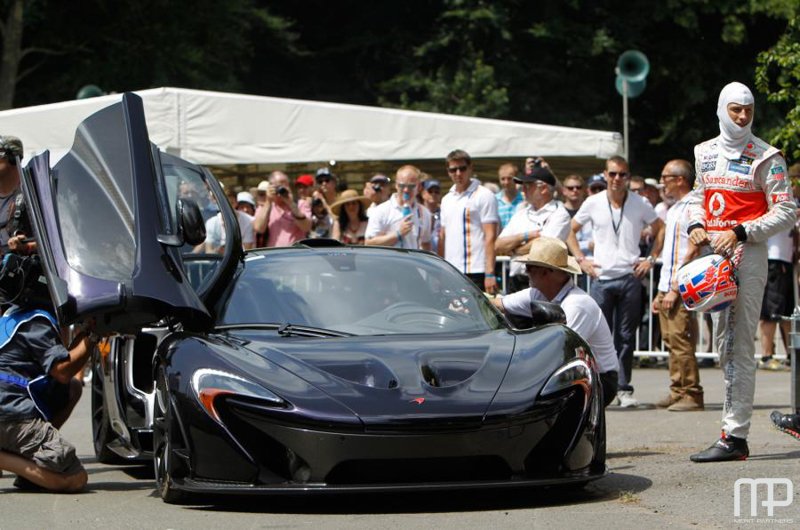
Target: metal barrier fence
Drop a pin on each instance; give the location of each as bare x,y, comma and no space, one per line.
705,347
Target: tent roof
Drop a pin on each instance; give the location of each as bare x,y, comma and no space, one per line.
224,128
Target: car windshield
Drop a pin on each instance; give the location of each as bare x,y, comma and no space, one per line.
357,291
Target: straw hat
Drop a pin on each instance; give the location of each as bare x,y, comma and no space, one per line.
349,196
550,253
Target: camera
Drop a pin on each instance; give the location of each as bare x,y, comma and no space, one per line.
377,187
283,191
20,223
316,203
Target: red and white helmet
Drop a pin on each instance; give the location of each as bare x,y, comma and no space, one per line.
708,284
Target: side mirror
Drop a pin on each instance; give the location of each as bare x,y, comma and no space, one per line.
547,313
191,227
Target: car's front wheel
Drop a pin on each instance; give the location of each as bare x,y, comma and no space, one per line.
164,433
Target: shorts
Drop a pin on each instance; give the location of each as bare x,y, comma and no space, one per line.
38,440
778,298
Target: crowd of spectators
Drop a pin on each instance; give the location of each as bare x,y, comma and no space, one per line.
613,218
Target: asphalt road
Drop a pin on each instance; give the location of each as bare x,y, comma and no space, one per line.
651,483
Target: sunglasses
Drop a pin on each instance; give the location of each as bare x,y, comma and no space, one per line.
324,179
406,186
455,169
573,188
534,268
620,174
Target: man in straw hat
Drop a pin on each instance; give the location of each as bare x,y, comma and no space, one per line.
401,221
550,271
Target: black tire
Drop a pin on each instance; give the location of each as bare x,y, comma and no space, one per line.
102,434
164,432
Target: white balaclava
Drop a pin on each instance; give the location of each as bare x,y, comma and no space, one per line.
732,137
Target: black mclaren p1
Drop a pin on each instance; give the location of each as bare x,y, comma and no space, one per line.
316,367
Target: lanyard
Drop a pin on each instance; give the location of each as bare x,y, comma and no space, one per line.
618,224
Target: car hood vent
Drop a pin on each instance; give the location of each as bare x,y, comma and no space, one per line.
443,368
391,380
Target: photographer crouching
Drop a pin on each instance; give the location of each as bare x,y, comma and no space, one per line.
38,388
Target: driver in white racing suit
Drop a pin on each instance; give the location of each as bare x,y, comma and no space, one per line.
741,197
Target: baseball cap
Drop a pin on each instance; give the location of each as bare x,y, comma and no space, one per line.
263,185
537,173
245,196
596,181
653,182
324,172
431,183
305,180
380,179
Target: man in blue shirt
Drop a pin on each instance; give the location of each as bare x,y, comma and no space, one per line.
509,196
31,445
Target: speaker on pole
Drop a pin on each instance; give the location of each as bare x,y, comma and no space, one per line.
633,67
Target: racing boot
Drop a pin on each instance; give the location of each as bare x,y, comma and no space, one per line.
725,449
788,423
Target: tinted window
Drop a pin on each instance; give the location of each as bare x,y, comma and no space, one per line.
94,192
361,292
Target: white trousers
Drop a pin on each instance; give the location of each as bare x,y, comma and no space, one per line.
735,338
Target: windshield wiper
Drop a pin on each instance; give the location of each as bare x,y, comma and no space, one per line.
288,330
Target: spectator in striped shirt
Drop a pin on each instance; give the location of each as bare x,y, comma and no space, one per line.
678,326
469,223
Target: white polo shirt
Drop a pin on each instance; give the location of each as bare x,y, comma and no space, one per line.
551,220
462,217
583,316
616,231
386,217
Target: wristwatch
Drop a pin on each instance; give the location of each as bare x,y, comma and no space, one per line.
651,259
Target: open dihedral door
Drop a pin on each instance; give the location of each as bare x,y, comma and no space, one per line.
101,218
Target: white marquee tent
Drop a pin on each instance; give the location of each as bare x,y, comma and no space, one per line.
218,128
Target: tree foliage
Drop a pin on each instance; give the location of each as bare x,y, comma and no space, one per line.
550,61
778,75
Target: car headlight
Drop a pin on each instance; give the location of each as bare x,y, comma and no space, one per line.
575,372
209,383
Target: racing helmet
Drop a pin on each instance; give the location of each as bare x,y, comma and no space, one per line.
708,284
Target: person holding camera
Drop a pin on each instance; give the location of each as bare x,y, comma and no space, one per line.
278,216
377,190
10,157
